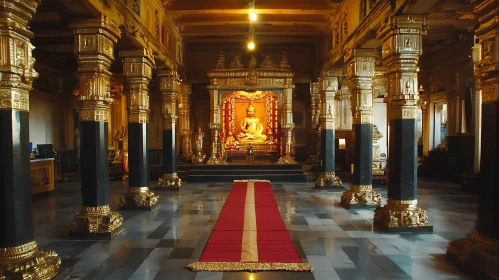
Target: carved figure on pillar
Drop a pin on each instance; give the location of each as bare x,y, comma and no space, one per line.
20,257
401,213
95,220
376,152
328,86
199,156
360,73
137,71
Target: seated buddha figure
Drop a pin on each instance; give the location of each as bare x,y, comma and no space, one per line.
251,128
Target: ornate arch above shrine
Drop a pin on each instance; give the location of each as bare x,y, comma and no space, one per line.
237,77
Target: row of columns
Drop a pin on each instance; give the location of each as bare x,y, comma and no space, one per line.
401,47
94,41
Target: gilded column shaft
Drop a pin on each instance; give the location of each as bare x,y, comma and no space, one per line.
20,257
402,45
287,124
328,85
479,251
184,121
215,126
137,71
169,87
94,49
315,105
360,73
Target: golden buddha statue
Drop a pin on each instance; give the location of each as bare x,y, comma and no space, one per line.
251,128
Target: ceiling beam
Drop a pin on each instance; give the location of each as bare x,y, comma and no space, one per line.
245,22
273,11
309,33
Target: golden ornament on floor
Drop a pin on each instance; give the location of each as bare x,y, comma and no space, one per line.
97,220
169,181
28,262
328,179
400,213
360,195
248,266
138,198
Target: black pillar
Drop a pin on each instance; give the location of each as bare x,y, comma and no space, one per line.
15,185
94,164
138,156
169,158
363,155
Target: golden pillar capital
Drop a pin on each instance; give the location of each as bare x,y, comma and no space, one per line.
137,71
17,65
360,73
328,86
401,39
94,49
169,87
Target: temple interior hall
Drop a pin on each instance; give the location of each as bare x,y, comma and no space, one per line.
249,139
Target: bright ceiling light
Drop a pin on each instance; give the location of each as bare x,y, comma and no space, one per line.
253,16
251,45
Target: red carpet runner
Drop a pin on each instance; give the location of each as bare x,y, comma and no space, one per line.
250,234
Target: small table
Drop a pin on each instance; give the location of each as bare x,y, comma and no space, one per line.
42,175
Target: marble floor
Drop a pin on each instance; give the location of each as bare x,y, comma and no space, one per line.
340,244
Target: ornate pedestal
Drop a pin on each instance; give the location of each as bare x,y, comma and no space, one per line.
169,181
138,199
28,262
96,223
402,216
360,197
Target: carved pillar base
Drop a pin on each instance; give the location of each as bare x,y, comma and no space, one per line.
328,180
402,216
198,158
96,223
213,160
286,160
138,199
359,197
169,181
28,262
477,254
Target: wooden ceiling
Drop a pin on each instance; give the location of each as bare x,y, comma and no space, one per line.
282,21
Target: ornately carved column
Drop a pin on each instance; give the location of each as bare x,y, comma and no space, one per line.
401,39
184,108
315,102
20,257
479,251
215,126
287,124
344,116
94,49
137,71
169,87
328,86
360,73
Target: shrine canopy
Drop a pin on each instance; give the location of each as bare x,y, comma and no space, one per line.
253,76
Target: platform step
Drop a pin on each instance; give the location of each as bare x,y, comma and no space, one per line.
295,178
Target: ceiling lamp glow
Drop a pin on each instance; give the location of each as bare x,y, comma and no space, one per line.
253,16
251,45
